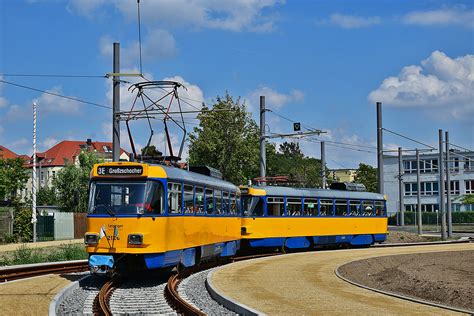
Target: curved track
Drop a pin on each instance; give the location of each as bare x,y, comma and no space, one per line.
32,270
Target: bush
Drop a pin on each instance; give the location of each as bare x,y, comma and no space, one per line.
26,255
429,218
22,227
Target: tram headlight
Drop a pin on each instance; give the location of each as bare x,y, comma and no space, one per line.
135,239
91,239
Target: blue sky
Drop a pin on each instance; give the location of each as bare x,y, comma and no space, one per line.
323,63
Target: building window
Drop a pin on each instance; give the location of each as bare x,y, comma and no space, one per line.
469,165
428,165
454,187
410,207
453,164
409,166
427,188
469,186
429,208
411,189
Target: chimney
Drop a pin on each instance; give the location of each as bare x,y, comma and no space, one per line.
89,142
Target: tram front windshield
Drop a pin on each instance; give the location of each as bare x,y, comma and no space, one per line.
126,197
252,206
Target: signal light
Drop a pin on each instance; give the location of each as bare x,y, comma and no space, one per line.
91,239
135,239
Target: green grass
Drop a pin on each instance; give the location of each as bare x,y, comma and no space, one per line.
26,255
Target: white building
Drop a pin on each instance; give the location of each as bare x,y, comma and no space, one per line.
461,178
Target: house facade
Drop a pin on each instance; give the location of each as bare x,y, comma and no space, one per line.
53,160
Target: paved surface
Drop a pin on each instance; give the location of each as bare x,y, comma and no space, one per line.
30,296
305,284
41,244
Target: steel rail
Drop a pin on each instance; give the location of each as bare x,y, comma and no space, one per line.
102,300
28,271
177,302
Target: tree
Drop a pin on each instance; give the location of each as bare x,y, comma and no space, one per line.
467,199
151,151
72,183
46,196
227,139
367,175
290,161
13,177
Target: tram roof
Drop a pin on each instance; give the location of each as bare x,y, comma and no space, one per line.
174,173
309,192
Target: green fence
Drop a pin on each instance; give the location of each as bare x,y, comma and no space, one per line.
45,228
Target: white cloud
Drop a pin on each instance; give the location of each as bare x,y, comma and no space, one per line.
236,15
446,16
3,102
85,7
157,45
352,21
51,103
440,82
48,143
273,98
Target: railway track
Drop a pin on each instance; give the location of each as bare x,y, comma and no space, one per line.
157,295
32,270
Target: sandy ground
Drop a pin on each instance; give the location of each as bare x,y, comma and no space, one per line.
305,284
442,277
406,237
31,296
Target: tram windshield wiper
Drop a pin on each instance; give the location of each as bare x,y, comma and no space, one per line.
108,209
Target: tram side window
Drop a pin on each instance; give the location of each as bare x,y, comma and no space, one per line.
218,198
252,206
238,207
154,197
225,202
325,207
310,207
275,206
380,208
293,207
199,200
174,198
188,199
354,208
368,208
341,207
232,204
209,201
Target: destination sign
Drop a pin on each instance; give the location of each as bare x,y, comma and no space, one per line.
120,171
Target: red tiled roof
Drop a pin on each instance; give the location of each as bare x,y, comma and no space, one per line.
6,153
67,150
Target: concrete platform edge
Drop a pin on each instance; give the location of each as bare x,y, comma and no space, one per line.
58,298
227,302
400,296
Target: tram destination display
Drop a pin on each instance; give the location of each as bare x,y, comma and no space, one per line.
120,171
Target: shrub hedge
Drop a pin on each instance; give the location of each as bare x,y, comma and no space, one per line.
433,218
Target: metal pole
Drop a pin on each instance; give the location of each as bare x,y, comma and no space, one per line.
441,186
323,164
33,183
263,158
448,187
116,105
418,193
400,187
379,148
